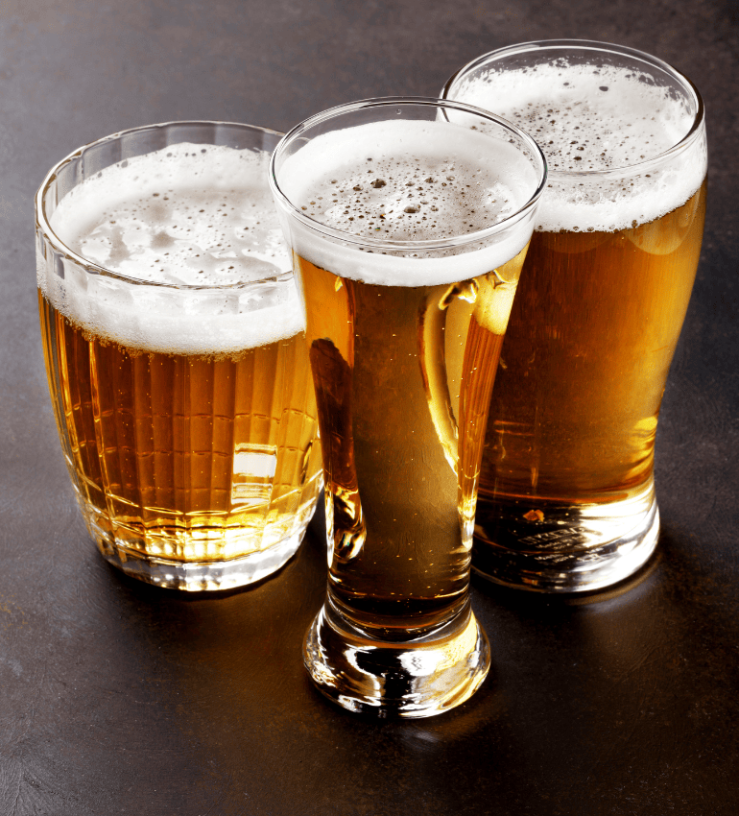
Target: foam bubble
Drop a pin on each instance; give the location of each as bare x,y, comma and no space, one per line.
588,118
408,181
188,214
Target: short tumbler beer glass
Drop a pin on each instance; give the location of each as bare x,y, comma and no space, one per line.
409,220
567,499
175,352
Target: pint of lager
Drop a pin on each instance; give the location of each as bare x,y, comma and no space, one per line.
409,221
566,491
174,343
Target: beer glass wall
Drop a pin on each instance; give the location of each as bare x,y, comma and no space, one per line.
409,221
175,351
567,496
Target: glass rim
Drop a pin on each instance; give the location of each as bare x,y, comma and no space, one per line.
397,245
604,47
58,245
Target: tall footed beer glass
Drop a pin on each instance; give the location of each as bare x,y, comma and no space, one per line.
409,221
174,345
567,498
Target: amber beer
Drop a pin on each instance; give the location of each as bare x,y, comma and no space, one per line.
181,384
566,487
409,231
386,359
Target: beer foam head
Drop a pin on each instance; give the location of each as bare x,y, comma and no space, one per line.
403,183
193,215
589,119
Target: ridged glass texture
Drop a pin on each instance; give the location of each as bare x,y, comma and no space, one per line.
192,471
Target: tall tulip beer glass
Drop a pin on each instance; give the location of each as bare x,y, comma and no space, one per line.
173,336
409,220
567,498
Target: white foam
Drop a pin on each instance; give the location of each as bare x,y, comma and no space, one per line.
588,118
408,181
188,214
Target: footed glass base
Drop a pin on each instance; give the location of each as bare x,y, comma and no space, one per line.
545,547
418,677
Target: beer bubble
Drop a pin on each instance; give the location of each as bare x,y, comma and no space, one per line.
202,230
410,158
619,113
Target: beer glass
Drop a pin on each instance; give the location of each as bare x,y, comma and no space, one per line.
567,499
174,344
408,220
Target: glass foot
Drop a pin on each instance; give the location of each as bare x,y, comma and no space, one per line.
548,548
198,559
204,576
419,677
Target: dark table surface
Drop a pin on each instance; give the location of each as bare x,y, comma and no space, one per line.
116,697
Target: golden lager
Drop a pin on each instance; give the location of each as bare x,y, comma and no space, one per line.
180,378
386,360
566,490
592,444
408,233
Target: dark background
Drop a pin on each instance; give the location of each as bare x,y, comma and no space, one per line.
119,698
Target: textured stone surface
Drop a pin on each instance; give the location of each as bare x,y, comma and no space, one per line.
117,698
